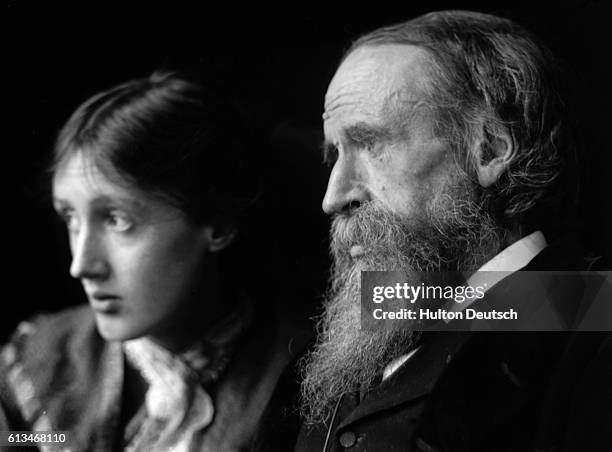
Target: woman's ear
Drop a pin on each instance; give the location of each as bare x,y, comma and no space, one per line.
219,234
493,155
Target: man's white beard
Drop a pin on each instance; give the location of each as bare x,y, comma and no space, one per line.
452,236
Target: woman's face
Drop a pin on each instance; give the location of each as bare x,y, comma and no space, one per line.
142,264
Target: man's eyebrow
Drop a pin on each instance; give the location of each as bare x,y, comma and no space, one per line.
360,135
363,134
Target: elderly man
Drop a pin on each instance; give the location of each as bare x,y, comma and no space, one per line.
449,151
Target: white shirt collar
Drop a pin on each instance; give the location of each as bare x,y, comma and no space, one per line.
509,260
397,363
517,255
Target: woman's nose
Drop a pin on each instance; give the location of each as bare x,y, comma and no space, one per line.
88,256
346,188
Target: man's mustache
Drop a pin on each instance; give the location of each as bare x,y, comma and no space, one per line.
367,225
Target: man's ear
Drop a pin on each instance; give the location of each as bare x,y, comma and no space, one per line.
219,234
493,155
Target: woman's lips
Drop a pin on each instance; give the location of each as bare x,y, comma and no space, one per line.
104,302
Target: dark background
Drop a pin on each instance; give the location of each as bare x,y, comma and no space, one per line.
278,63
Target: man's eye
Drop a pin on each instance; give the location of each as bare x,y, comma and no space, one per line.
118,221
330,155
367,143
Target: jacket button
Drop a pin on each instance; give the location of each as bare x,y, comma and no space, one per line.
348,439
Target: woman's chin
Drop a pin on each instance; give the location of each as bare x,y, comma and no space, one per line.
115,329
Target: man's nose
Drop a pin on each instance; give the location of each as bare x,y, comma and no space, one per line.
346,188
88,256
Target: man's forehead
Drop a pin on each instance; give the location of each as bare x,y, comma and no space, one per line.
371,75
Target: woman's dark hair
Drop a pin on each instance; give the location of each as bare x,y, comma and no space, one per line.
171,136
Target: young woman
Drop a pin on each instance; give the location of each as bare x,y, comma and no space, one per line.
152,181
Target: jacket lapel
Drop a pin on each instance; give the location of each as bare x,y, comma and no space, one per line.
414,379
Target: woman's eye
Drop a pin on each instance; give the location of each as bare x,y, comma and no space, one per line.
118,221
71,220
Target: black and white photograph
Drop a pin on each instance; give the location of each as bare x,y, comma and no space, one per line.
310,228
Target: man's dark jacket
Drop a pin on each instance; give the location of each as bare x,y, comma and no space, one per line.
488,391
